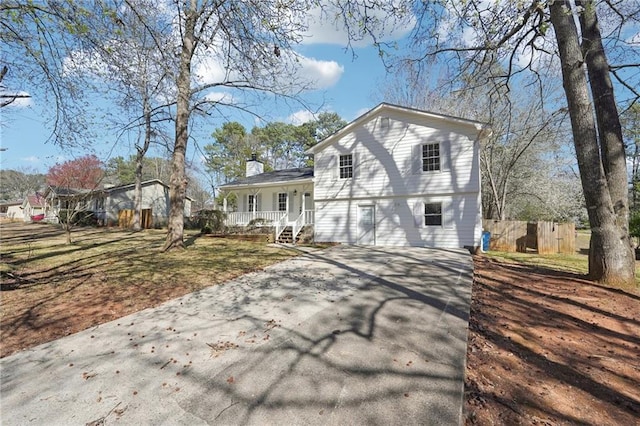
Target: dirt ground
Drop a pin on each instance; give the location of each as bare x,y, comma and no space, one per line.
550,348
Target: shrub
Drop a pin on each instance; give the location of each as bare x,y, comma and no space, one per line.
210,221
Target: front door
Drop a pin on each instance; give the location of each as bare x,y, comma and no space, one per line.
366,225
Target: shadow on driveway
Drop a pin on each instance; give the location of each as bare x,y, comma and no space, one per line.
349,335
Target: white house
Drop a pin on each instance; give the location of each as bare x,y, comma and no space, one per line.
12,210
281,198
394,176
33,205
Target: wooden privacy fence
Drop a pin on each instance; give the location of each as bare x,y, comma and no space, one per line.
542,237
125,218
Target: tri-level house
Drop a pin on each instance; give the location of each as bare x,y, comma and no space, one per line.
394,176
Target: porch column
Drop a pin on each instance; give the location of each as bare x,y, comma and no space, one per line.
288,201
224,204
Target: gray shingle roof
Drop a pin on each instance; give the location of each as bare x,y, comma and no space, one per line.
276,176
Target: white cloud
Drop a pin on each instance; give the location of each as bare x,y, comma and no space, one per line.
300,117
219,97
31,159
320,74
326,26
209,70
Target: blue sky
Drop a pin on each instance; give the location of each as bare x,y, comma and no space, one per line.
348,85
25,129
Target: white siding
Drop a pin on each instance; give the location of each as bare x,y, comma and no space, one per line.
387,174
384,161
15,212
336,221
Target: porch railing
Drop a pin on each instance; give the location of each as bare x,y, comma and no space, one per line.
309,217
243,218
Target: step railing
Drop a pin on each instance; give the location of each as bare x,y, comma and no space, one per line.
280,226
297,226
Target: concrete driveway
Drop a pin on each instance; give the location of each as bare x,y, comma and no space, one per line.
348,335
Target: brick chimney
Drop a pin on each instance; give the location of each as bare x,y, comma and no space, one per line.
254,167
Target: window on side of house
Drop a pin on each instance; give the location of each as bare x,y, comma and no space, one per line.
430,157
433,214
99,203
282,202
251,200
346,166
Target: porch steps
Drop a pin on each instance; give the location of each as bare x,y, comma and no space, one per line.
286,237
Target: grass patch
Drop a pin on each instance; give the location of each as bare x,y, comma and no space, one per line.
52,289
572,263
577,264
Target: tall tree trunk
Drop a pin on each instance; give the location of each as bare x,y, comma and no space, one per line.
608,259
178,182
610,134
141,151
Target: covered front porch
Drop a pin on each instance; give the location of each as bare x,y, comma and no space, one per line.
284,207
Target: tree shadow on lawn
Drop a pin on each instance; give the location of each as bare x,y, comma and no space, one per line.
50,303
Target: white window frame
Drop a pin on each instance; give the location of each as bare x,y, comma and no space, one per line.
282,201
345,166
429,213
251,202
431,160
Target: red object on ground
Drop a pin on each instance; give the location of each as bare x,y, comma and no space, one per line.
37,218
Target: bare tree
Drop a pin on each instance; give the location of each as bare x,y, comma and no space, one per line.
37,39
132,61
73,186
18,184
250,42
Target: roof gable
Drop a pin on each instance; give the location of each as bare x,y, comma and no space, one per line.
383,108
36,200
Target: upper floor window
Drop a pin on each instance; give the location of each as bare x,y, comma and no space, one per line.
433,214
430,157
282,202
346,166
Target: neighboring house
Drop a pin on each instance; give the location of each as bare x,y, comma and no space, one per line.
114,205
394,176
33,205
11,210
